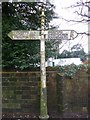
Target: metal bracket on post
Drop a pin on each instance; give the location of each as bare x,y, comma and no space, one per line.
43,88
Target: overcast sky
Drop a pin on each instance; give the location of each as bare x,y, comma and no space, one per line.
62,11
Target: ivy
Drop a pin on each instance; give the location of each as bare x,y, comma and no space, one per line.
71,70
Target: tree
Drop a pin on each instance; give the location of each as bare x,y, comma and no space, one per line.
52,48
76,47
25,16
76,51
65,54
82,10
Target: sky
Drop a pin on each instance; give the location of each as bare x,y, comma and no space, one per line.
68,14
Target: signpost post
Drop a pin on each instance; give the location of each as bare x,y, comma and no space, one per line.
42,36
43,91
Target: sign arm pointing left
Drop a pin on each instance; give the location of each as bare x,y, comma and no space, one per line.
10,35
24,35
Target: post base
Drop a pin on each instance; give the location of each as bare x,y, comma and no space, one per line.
44,117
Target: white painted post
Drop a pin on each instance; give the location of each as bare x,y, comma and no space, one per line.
43,89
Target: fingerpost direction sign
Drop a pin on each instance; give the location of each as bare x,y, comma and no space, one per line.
24,35
61,34
50,35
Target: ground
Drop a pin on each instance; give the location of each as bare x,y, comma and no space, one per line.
53,116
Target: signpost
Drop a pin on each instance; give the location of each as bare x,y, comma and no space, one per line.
49,35
42,36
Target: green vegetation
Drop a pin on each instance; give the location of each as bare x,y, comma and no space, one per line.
71,70
76,51
23,16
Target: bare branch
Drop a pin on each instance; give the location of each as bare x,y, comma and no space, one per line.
83,15
84,33
63,45
79,4
83,20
